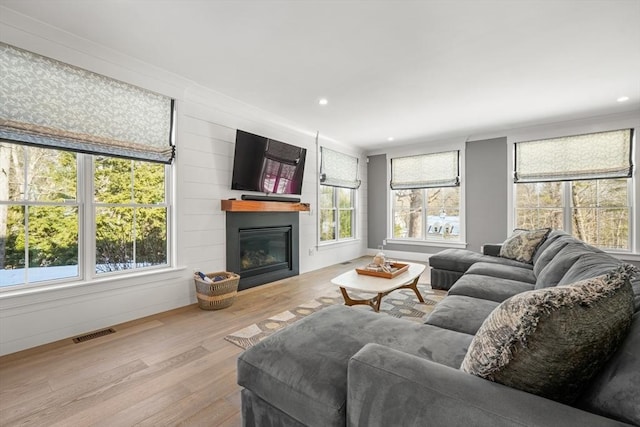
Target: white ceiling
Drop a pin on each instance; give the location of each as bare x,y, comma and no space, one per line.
414,70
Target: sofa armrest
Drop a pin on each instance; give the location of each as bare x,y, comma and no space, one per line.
492,249
388,387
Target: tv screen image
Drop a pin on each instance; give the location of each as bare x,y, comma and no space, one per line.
266,165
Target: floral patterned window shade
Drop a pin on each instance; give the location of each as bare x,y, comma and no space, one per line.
590,156
425,171
338,170
51,104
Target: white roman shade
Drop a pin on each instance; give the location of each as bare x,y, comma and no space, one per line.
590,156
338,170
48,103
425,171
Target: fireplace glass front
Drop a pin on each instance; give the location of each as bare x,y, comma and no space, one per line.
263,250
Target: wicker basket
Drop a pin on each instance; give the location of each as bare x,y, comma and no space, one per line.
217,295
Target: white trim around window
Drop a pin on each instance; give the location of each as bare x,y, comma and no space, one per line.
86,256
457,145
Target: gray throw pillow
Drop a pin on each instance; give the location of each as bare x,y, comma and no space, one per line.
552,341
522,244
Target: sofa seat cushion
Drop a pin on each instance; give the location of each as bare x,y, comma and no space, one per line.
461,259
566,332
614,392
487,287
555,270
503,271
461,313
302,369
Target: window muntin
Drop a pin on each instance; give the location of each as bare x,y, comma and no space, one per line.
43,218
337,213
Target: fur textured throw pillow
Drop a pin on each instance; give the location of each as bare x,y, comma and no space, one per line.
522,244
552,341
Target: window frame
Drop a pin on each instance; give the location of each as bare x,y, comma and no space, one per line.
568,211
577,128
424,214
451,145
89,196
86,206
336,215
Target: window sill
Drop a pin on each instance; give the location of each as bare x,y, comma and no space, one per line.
45,293
433,243
337,243
626,256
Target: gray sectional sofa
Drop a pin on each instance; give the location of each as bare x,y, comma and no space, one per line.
345,366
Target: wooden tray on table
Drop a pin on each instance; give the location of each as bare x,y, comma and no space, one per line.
401,268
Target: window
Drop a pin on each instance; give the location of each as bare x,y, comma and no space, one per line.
130,214
425,197
71,207
336,213
437,219
581,184
596,211
43,217
338,184
39,215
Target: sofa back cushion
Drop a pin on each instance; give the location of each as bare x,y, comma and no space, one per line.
552,237
589,265
555,270
546,254
614,392
552,341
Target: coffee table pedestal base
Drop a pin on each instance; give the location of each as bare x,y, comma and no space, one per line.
376,300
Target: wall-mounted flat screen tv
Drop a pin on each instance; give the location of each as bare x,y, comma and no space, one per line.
266,165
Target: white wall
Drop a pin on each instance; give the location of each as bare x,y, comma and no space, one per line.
206,127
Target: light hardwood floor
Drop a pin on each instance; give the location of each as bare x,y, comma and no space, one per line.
173,368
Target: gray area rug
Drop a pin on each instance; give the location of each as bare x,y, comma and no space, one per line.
401,303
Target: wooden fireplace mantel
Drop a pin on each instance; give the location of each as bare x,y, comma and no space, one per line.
257,206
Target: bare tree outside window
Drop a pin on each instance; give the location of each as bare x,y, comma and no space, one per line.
432,213
597,210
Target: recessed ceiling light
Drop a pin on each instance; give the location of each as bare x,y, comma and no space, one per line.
390,139
323,101
623,99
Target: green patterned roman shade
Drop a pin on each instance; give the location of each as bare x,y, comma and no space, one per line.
338,170
48,103
425,171
590,156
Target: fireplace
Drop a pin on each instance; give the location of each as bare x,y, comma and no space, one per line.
262,247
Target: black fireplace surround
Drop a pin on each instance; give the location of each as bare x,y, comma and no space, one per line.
262,247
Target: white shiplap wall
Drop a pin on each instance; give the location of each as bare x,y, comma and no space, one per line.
206,126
